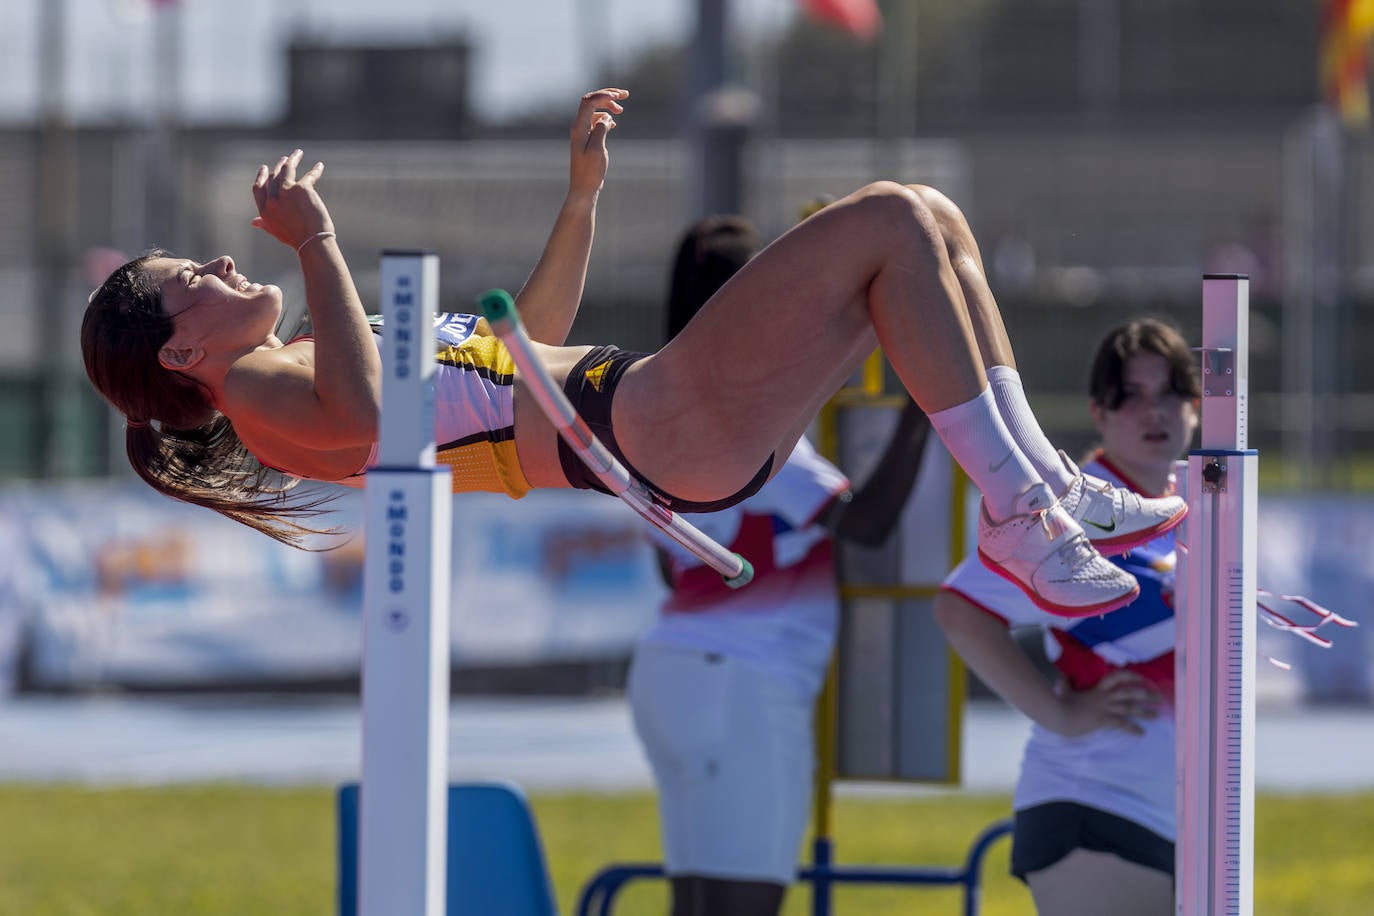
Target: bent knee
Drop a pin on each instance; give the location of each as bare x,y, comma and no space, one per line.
901,214
894,196
946,211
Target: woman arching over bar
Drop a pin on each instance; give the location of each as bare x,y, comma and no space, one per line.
216,403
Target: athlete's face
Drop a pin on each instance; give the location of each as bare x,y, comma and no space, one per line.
212,305
1154,424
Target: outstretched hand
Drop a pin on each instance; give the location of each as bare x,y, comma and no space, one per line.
1119,700
595,119
289,208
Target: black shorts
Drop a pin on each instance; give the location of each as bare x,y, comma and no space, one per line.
590,387
1044,834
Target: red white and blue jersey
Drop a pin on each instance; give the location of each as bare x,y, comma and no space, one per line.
785,620
1128,775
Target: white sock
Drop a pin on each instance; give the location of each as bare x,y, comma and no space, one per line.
1025,429
978,439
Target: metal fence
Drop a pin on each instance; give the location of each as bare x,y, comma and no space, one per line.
1080,229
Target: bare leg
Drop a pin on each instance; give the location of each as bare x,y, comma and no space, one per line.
739,383
993,344
686,899
746,375
697,895
966,259
1111,511
1086,883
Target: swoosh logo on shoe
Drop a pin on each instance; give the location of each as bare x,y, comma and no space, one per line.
994,468
1107,528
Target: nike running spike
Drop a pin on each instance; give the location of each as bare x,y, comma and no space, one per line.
1044,552
1116,519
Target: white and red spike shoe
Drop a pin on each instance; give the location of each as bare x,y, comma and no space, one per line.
1114,518
1044,552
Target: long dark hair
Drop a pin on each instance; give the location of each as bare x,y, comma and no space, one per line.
176,440
710,252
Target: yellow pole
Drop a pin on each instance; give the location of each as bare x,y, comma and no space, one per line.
827,432
873,374
957,679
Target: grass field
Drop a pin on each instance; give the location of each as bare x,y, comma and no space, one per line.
228,849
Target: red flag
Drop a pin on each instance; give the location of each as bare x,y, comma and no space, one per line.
859,18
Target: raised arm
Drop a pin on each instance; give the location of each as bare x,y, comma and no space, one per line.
335,402
549,300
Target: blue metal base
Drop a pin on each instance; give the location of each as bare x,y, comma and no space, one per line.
598,896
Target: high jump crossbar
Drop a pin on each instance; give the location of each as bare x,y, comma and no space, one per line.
1215,648
499,310
403,808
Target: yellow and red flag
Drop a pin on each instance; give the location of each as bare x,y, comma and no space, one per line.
1347,26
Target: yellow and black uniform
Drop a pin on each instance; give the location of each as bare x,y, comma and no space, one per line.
590,387
474,415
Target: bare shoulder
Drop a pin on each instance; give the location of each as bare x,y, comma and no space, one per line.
270,378
270,397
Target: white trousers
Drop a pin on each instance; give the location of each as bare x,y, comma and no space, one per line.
731,749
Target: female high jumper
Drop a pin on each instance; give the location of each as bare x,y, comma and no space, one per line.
224,414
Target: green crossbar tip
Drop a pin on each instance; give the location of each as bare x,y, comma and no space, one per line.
746,574
497,305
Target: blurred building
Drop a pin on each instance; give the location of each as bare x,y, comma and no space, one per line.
982,65
417,91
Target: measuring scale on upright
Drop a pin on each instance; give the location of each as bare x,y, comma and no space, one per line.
1216,615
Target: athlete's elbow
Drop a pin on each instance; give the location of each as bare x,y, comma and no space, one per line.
366,420
352,421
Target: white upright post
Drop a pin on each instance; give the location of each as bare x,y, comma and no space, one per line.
403,807
1215,648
